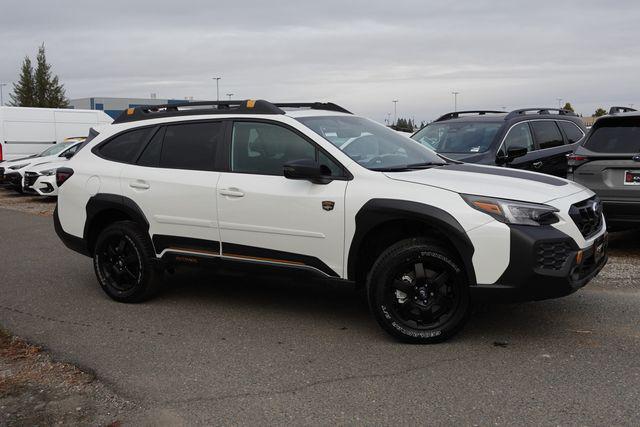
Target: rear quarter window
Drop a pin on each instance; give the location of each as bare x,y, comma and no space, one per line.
125,147
615,135
571,131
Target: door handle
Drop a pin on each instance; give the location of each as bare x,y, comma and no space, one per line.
139,185
231,192
537,164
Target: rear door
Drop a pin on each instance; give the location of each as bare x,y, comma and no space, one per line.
551,150
174,182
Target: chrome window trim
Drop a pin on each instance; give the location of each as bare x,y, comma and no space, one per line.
540,120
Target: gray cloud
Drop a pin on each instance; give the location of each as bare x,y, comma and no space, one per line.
361,54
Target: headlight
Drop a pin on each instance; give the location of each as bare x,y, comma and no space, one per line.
16,167
513,212
48,172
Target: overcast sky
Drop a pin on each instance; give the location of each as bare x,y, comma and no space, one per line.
360,54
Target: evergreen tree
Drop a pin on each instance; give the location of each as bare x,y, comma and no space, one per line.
567,106
599,112
24,91
38,88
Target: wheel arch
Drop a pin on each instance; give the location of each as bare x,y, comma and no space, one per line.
105,209
382,222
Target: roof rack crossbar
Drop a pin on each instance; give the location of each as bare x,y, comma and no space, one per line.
329,106
456,114
539,110
618,110
145,112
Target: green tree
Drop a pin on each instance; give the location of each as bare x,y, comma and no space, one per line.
24,91
568,106
39,88
599,112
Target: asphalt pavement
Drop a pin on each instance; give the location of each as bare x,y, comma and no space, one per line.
255,350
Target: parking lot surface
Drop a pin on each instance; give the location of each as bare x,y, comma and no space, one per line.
249,350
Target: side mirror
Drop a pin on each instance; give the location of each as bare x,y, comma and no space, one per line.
512,153
307,169
68,155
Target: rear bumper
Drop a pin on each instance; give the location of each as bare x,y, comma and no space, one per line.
622,214
544,263
74,243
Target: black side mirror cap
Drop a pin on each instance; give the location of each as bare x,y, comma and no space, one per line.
307,169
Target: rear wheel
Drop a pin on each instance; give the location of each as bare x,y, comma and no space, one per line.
418,291
124,263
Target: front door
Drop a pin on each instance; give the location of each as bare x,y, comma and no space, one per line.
267,218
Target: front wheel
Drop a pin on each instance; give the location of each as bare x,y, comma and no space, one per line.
124,263
418,291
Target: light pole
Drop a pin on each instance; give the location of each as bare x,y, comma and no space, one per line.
559,103
217,79
230,95
1,94
395,112
455,100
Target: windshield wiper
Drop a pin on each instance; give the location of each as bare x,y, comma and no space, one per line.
409,167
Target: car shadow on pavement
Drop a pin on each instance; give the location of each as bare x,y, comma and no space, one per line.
303,298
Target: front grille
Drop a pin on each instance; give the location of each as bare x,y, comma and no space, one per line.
587,215
30,178
551,255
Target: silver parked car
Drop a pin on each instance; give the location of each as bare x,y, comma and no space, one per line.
608,162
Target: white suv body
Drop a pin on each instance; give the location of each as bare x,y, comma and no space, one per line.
369,205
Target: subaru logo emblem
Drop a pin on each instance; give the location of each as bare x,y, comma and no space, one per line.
636,158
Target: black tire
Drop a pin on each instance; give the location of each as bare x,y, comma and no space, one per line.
418,291
124,262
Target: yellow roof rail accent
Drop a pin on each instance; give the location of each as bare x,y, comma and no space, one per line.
130,111
251,103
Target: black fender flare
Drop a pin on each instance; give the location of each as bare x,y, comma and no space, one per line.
378,211
104,201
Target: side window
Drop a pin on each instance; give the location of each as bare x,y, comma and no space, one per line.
71,150
263,148
151,154
547,134
572,131
519,137
190,146
124,147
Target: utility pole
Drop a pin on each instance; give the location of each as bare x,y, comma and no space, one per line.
230,95
217,79
395,112
1,94
455,100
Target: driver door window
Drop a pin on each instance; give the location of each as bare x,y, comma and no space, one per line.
518,137
263,148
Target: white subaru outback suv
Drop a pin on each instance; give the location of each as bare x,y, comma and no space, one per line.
237,182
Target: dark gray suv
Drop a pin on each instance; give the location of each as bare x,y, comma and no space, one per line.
608,162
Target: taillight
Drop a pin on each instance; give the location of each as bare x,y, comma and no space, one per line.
62,175
574,160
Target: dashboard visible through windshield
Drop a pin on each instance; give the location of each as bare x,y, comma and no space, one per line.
370,144
458,137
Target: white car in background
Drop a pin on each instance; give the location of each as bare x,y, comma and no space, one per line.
42,178
12,172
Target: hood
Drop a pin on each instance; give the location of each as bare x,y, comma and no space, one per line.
492,181
39,167
7,163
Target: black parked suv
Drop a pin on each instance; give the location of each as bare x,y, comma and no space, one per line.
608,162
537,139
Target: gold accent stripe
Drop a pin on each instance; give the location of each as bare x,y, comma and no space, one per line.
282,261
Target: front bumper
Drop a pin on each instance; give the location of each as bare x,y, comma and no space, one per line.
544,263
45,185
622,214
13,179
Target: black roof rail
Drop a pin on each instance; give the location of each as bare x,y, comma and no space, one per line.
456,114
618,110
186,108
328,106
539,110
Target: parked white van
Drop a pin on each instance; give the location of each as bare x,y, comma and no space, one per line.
25,131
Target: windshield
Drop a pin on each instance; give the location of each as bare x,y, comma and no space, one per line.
458,137
56,149
615,135
370,144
